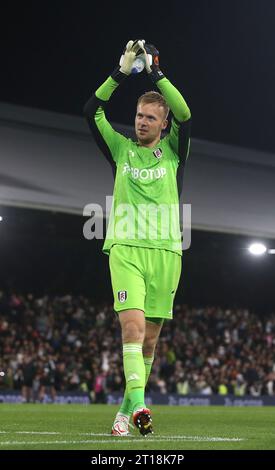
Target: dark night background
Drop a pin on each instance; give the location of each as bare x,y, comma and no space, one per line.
220,54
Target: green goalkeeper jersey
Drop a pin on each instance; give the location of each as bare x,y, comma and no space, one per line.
148,181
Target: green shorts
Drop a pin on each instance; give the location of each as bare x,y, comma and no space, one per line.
144,278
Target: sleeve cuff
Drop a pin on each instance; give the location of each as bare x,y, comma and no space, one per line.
156,75
117,75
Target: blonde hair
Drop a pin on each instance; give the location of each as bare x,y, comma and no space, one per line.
154,97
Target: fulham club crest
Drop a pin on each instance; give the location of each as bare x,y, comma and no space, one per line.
158,153
122,296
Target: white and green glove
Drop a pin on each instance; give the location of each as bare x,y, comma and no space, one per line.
133,49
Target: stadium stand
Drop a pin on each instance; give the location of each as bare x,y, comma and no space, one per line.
65,343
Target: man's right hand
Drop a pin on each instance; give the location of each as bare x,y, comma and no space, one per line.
131,51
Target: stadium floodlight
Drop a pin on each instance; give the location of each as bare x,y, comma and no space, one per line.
1,218
271,251
257,249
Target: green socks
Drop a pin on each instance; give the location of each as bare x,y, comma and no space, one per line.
134,371
148,362
134,395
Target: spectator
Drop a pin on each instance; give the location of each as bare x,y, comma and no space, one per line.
60,343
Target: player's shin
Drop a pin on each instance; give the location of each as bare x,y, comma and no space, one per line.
126,406
134,371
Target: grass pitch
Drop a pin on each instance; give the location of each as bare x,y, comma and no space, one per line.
66,427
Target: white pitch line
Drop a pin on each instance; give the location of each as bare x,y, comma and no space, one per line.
119,441
101,435
123,439
29,432
35,432
206,438
192,438
55,433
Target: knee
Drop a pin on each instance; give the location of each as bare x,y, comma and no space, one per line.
132,332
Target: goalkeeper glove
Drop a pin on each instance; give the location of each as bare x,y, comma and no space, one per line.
152,62
133,48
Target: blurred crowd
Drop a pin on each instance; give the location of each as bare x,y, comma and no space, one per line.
57,344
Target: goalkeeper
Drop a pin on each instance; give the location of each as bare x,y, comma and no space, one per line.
144,248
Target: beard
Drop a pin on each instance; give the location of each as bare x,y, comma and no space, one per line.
145,138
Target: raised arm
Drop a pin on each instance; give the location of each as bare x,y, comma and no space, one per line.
106,137
181,122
